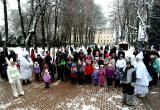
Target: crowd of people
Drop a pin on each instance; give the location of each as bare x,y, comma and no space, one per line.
99,66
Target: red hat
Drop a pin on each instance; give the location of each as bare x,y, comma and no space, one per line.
107,55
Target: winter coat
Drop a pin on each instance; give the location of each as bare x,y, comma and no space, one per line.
47,78
12,73
36,69
156,65
33,57
109,72
95,75
101,76
89,69
130,75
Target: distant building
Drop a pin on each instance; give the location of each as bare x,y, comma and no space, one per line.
104,36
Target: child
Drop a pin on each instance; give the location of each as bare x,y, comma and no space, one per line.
74,72
100,61
80,73
14,78
88,71
37,70
95,75
101,75
95,64
128,88
63,70
46,78
109,75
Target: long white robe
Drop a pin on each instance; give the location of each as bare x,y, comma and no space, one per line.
143,79
26,68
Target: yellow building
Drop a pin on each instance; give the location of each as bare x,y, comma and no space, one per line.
104,36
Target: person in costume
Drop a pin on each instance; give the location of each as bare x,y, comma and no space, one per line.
26,68
14,78
142,77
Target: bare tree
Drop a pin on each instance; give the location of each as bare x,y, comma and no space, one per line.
6,22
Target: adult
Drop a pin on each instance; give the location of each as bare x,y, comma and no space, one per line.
155,66
33,57
14,78
142,77
121,52
26,66
3,65
40,61
89,50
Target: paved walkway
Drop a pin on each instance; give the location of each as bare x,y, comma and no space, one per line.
66,96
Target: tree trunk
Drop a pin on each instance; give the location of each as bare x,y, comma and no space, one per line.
21,20
56,21
43,30
42,24
6,23
86,35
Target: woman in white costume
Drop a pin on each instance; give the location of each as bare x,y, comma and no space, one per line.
14,78
142,77
26,67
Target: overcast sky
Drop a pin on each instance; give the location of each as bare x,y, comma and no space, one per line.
12,4
106,6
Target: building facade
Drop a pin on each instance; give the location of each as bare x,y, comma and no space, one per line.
104,36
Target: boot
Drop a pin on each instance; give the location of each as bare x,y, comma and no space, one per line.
23,82
130,100
124,98
47,85
28,81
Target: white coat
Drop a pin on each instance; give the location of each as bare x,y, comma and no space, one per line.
26,67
